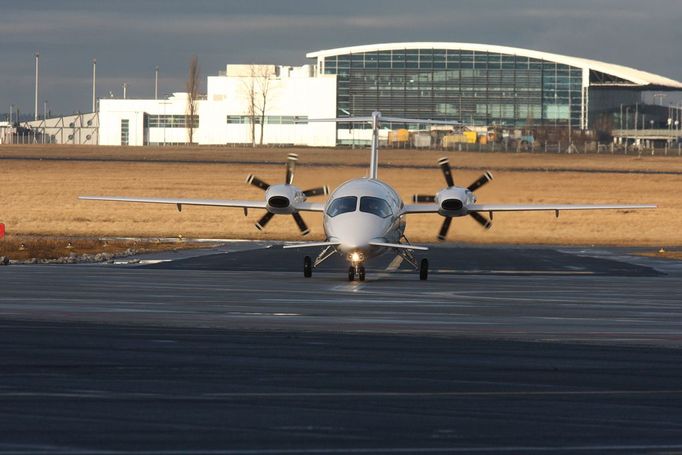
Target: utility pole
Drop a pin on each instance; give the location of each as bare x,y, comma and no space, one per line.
35,110
156,82
94,85
11,108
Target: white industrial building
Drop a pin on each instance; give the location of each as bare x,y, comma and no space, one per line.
225,114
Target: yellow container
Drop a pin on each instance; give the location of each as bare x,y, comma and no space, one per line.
470,137
401,135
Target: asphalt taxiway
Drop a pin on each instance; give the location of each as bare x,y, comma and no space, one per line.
502,350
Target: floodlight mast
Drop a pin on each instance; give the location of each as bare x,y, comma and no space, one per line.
374,160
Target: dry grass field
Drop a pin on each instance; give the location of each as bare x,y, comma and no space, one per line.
22,248
40,196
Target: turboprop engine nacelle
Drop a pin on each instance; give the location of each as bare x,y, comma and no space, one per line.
282,199
454,201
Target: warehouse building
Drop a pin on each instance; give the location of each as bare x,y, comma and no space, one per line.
479,85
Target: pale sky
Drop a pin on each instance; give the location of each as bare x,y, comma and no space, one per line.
129,38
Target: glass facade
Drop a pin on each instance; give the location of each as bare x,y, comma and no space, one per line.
169,121
269,119
125,132
479,88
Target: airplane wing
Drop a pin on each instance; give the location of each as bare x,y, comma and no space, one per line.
433,208
420,208
553,207
303,207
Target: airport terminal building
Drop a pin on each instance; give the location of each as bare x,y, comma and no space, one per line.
479,85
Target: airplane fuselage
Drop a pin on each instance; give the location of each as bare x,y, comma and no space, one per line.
361,211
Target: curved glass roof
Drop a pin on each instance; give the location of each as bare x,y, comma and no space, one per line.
622,75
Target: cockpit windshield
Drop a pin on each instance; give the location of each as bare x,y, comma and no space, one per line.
375,206
342,205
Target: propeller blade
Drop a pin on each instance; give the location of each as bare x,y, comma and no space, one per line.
320,191
417,198
480,219
482,180
444,228
291,164
300,223
255,181
264,220
444,164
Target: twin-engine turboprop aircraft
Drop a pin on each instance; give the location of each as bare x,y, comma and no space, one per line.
365,217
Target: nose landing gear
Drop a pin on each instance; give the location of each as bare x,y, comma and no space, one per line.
358,270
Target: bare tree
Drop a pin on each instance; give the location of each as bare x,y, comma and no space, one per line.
257,88
251,99
192,97
263,82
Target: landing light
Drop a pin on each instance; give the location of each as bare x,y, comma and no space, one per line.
356,257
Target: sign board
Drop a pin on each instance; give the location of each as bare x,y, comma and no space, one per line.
2,230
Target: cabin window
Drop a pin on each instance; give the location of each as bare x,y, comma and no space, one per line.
375,206
342,205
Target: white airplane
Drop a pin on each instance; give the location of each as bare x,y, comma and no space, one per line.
365,217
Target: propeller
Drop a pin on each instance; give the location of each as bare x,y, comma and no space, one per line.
444,164
292,158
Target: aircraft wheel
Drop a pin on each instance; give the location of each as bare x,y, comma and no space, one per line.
424,269
361,273
351,273
307,267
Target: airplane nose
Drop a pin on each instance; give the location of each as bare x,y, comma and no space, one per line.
356,231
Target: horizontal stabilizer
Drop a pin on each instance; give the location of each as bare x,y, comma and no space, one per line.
311,244
400,246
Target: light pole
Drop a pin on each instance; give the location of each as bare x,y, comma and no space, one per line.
35,110
94,85
125,90
44,120
156,82
627,125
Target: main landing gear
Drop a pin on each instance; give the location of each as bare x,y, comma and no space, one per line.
358,270
424,269
307,267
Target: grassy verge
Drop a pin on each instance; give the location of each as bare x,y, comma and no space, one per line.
24,248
